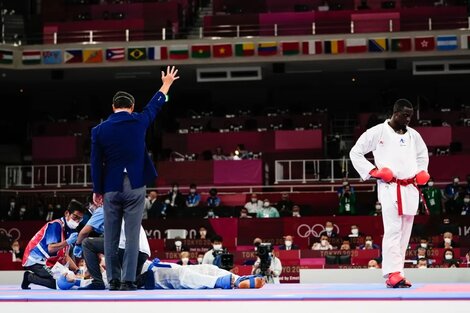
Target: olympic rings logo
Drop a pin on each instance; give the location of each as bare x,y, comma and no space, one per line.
13,233
305,231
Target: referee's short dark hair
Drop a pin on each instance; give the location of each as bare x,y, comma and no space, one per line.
123,99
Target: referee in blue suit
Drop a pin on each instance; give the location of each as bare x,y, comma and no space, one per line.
120,169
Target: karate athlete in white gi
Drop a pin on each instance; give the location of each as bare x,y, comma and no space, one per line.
401,162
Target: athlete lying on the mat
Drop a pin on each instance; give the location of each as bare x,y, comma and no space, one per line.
162,275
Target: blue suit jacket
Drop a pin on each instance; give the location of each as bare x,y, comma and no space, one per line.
119,143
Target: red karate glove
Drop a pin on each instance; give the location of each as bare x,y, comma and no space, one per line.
422,178
384,174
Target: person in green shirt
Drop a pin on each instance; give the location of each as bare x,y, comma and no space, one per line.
433,197
347,201
267,211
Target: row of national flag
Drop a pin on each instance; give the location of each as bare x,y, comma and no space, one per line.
244,49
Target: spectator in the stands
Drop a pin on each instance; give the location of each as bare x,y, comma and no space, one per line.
58,211
452,196
433,198
284,206
157,209
149,200
323,244
16,251
178,245
219,155
449,258
213,201
267,211
329,230
202,234
373,264
466,205
23,213
49,212
448,226
13,211
211,214
377,209
346,245
347,201
467,186
254,205
244,213
192,201
448,241
355,231
175,201
421,253
200,257
341,189
242,152
424,243
184,259
289,244
422,263
368,244
296,211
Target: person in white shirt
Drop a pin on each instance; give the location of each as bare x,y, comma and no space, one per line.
254,205
401,162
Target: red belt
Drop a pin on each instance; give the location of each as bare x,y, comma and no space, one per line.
402,182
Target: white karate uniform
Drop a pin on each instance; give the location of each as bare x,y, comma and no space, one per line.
406,155
201,276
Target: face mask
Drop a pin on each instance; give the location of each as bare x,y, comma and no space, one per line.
421,256
192,190
217,247
324,242
266,204
448,256
12,203
431,183
369,242
199,260
355,231
456,181
371,267
202,233
447,240
424,245
185,260
422,266
72,224
296,214
167,201
288,243
466,200
378,207
16,249
175,189
243,215
328,229
22,210
254,200
178,243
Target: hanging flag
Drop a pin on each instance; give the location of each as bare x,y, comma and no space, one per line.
115,54
378,45
157,53
312,47
446,42
425,43
201,51
31,57
136,54
222,50
93,56
465,42
244,49
179,52
334,46
400,44
290,48
267,48
73,56
356,45
52,56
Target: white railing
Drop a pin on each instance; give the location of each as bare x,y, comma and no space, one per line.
308,171
57,175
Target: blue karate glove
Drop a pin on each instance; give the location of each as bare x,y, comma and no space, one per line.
78,251
72,238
